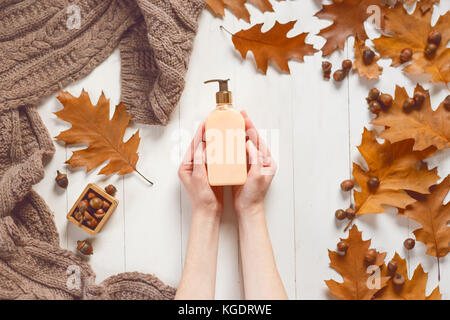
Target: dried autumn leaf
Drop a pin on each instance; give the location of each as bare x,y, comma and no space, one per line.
348,19
394,165
425,126
372,71
413,289
426,5
354,270
237,7
411,31
272,45
433,216
92,125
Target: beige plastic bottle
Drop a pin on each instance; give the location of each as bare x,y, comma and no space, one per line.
226,156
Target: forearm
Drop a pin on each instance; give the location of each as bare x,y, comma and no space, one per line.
260,273
198,280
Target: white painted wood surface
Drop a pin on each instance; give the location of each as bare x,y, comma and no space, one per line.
312,125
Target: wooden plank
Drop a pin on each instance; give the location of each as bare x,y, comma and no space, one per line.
109,250
197,102
54,196
321,162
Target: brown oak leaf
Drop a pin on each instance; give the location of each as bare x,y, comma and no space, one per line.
433,216
425,126
394,165
348,19
237,7
426,5
412,289
371,71
272,45
411,31
92,125
354,270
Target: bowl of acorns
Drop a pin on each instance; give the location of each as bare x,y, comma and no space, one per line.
93,208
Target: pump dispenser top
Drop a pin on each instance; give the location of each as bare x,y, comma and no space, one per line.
223,96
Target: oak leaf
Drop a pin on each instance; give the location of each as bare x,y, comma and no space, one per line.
92,125
394,165
426,5
348,19
412,289
411,31
237,7
272,45
425,126
433,216
371,71
354,270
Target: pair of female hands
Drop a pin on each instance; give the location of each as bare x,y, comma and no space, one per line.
248,198
259,271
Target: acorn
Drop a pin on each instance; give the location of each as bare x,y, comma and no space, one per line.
405,55
374,93
398,281
374,107
91,195
347,65
368,56
342,248
326,69
373,183
347,185
83,206
350,212
385,100
111,190
435,37
408,105
96,203
78,215
90,221
409,243
370,256
85,247
392,267
326,66
430,50
419,98
61,180
106,205
99,214
339,75
340,214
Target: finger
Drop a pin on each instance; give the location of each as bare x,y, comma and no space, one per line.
253,134
254,156
187,163
199,160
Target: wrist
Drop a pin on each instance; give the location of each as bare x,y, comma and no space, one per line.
251,212
206,216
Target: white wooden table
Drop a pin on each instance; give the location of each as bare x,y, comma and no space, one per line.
312,125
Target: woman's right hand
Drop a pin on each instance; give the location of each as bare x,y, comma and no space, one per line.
249,198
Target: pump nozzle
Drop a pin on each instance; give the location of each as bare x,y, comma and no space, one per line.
223,96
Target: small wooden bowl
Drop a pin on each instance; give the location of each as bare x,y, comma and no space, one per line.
102,193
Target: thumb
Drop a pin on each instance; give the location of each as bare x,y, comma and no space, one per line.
254,156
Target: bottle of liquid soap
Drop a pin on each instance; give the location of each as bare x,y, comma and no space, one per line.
226,156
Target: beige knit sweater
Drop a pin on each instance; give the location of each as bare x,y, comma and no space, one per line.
39,54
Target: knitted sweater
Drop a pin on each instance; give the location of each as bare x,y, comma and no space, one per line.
40,53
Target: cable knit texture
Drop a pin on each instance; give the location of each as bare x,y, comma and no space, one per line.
39,54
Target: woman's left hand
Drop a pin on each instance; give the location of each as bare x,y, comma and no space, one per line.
192,172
